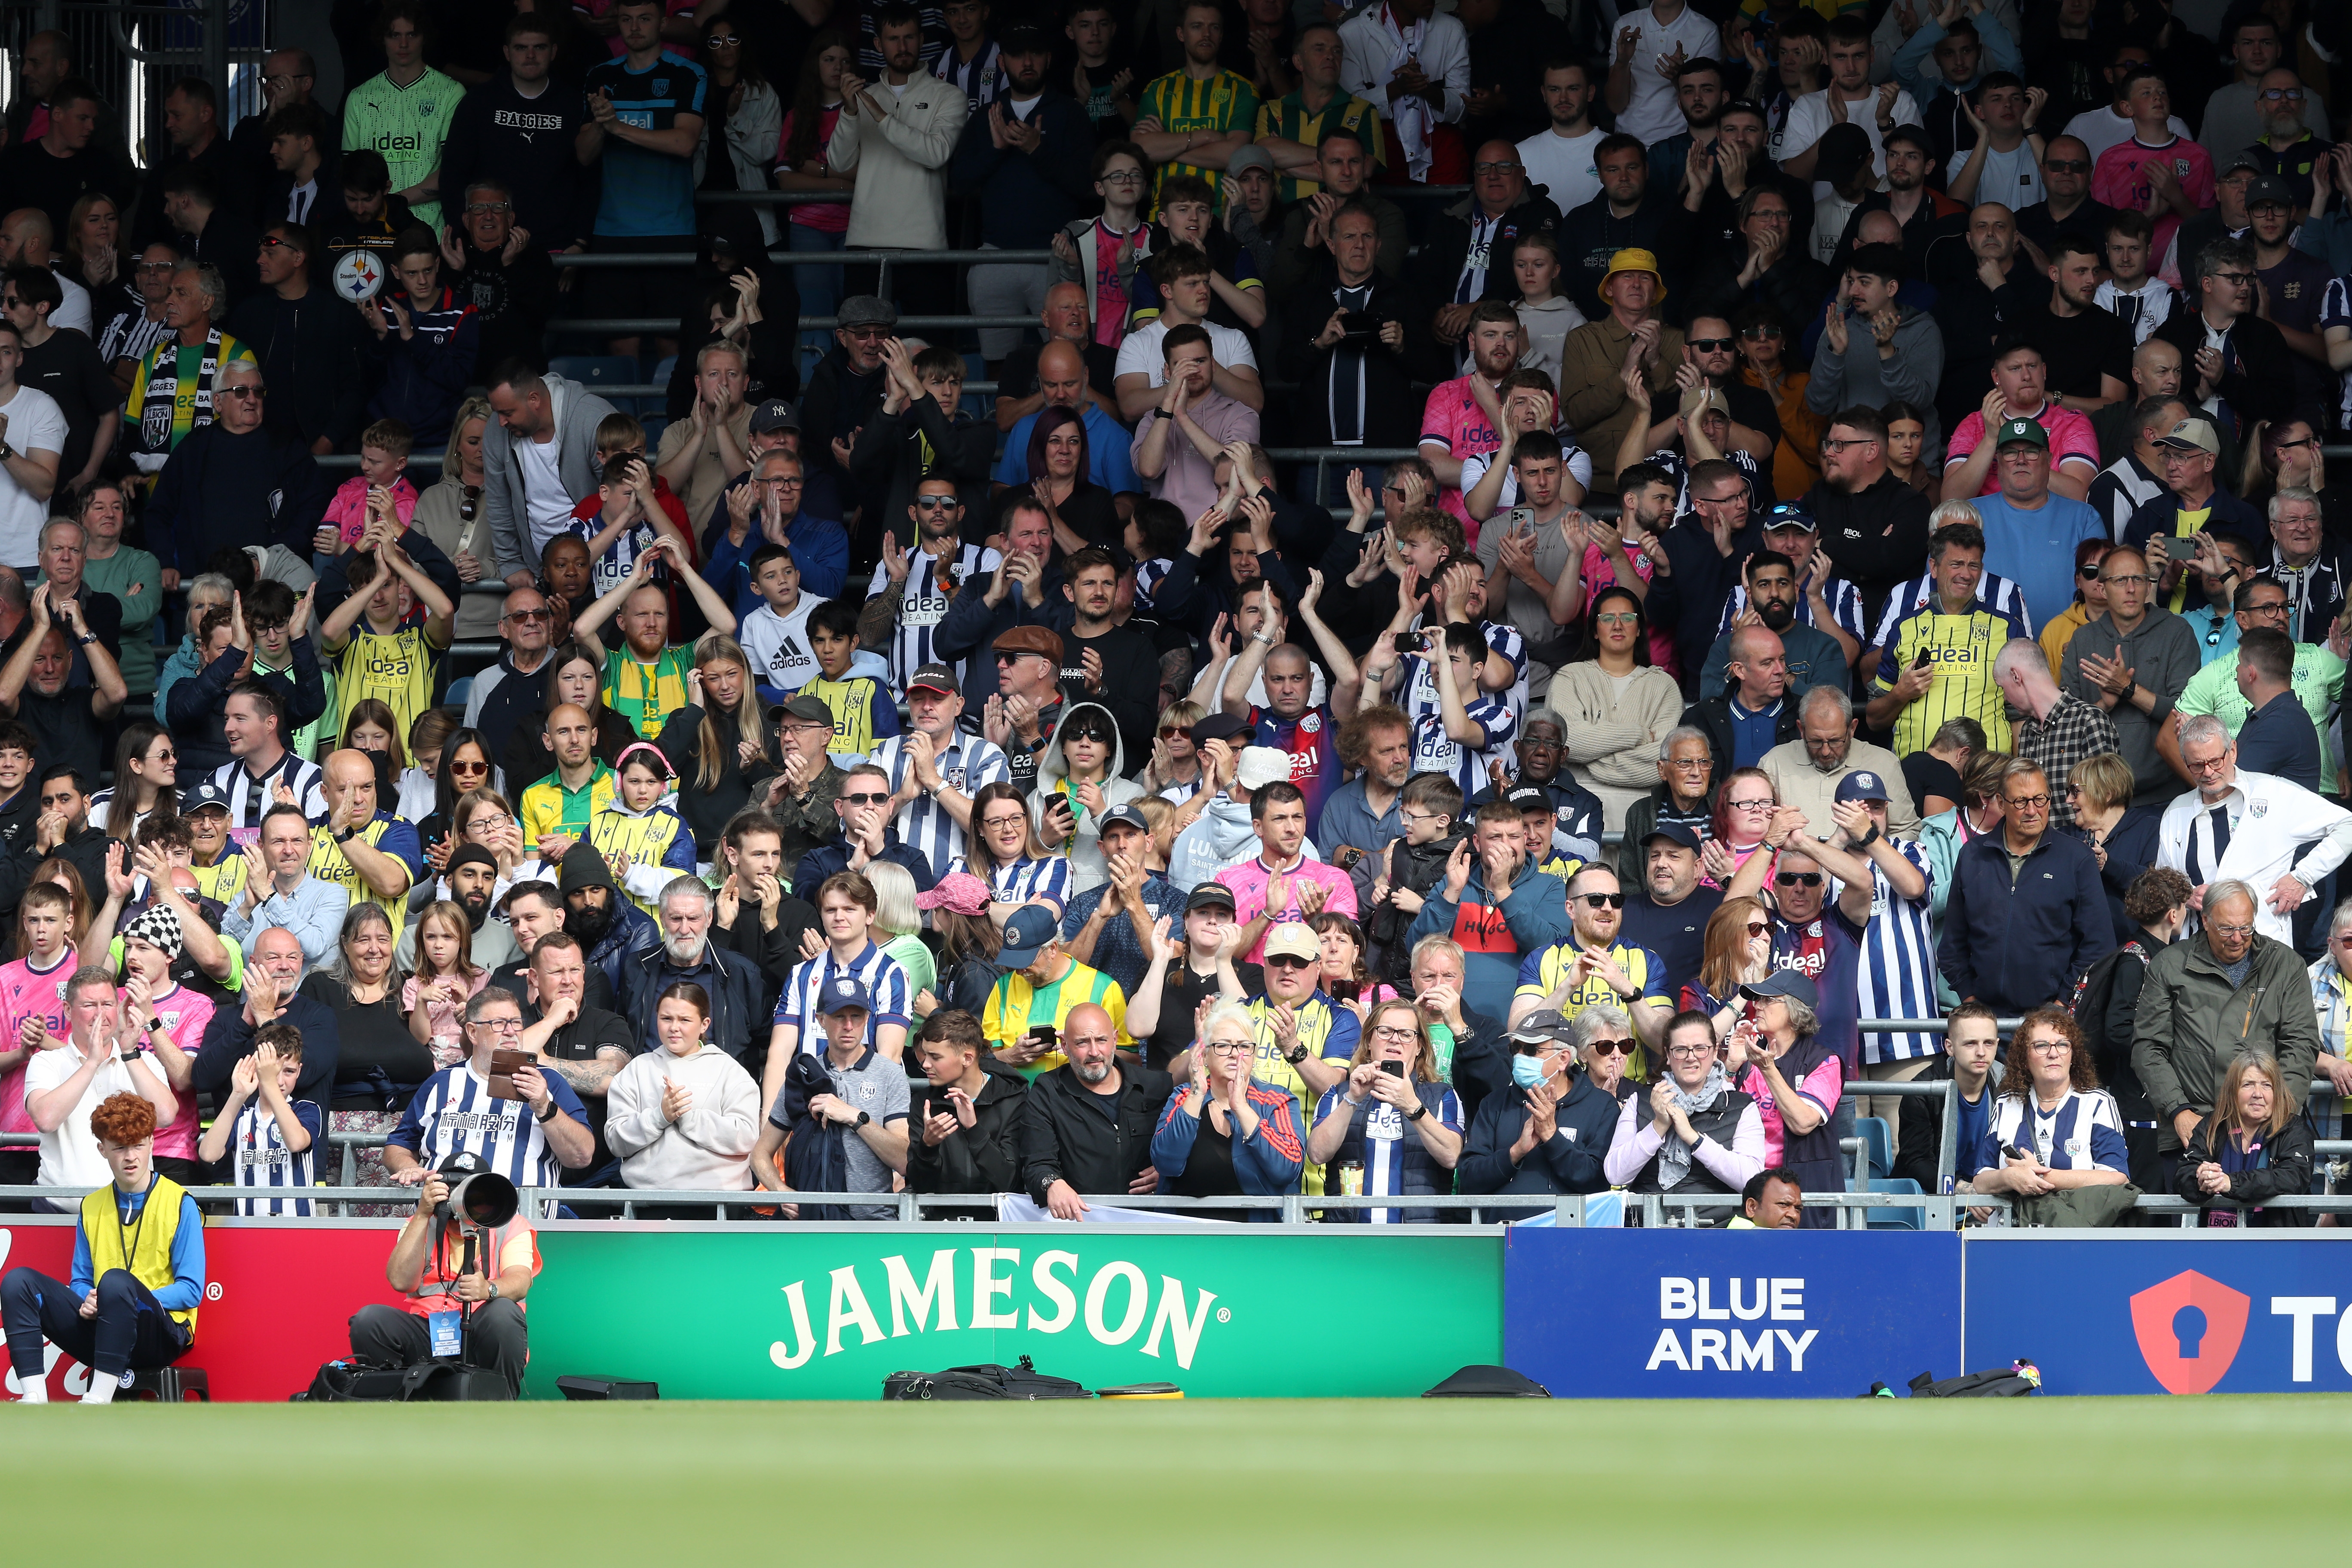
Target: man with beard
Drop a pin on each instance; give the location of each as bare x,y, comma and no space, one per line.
1875,347
1086,1126
1595,965
1923,216
612,928
573,1039
687,953
1461,417
1874,524
1805,772
1103,661
531,910
1750,714
1704,549
473,876
1306,731
498,271
1361,817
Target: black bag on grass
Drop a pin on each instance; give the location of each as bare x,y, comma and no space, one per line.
352,1380
985,1382
2013,1381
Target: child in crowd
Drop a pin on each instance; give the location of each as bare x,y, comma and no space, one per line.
1428,805
267,1134
1154,534
377,654
632,507
1546,318
864,711
644,844
433,998
384,447
775,635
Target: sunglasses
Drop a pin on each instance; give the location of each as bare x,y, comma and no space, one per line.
540,615
2067,165
936,504
1757,334
1290,960
1598,900
457,766
1798,880
1173,732
1711,345
866,799
237,392
1609,1047
722,41
1758,928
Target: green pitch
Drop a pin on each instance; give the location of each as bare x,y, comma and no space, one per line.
1240,1483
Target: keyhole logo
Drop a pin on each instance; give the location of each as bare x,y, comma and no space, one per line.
2189,1329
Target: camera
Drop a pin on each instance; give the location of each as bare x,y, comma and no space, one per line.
478,1195
1358,326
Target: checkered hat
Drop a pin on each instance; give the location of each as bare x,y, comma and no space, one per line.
158,927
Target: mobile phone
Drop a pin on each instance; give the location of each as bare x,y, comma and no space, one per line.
1921,662
1357,325
1342,990
1394,1069
1046,1037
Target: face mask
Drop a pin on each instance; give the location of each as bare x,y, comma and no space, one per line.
1527,1071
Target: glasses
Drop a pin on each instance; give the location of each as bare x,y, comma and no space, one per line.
499,1026
2231,931
1763,805
868,334
2280,95
1603,901
722,41
1173,732
2086,572
1387,1032
1757,334
2235,279
237,392
2306,441
1016,820
2027,802
1228,1047
1839,443
2052,1047
2214,766
2278,609
156,267
463,767
1419,815
473,207
540,614
783,482
1123,177
2067,165
866,798
1608,1047
2130,577
1691,764
1758,928
1288,961
272,241
1690,1053
1799,880
1514,168
936,504
1617,620
1711,345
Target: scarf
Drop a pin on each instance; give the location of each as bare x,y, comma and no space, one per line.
158,405
1412,115
1673,1154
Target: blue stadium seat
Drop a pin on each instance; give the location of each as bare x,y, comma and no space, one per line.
1874,1131
597,372
1897,1218
659,401
654,425
459,690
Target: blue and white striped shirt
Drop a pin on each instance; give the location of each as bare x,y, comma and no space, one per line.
923,823
1844,602
875,970
923,604
1025,879
1435,752
1994,592
2085,1131
453,1113
1897,975
1417,693
250,797
256,1149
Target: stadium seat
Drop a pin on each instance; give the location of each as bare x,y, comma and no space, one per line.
660,377
459,690
171,1384
597,372
654,423
1897,1218
1874,1132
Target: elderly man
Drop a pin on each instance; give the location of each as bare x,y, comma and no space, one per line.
2240,366
1549,1130
281,893
2314,569
2258,828
2135,661
2059,729
1596,358
1341,166
1751,714
68,722
498,269
374,857
1466,256
847,389
528,1139
270,976
515,687
530,503
1064,381
2027,914
2193,504
64,549
703,453
1807,771
1021,390
1086,1127
235,481
770,506
687,953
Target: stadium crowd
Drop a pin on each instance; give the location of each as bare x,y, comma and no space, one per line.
1867,553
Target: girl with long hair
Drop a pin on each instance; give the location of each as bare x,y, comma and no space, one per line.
642,842
968,942
146,781
1005,852
451,514
418,793
373,728
462,764
433,998
801,167
2253,1146
706,740
92,248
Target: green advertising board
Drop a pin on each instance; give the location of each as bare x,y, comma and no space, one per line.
814,1311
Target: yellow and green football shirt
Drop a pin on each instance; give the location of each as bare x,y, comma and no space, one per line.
1288,118
1959,650
1179,102
396,668
647,694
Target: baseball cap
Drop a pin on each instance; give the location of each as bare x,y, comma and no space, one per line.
2245,159
1863,786
2268,188
1792,984
1262,766
1220,727
1023,38
932,677
1791,514
2028,431
1210,896
1545,1025
202,795
1250,155
773,416
2192,434
841,994
1029,929
957,891
1294,938
1673,831
809,708
1030,640
1530,797
867,311
1122,816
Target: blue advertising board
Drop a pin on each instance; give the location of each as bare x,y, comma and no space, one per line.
1667,1314
2144,1313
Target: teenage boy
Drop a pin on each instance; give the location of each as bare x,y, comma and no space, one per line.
2141,301
845,904
1105,93
428,340
32,999
2154,171
863,708
371,218
267,1133
404,113
644,677
386,658
633,507
1188,216
776,634
1181,277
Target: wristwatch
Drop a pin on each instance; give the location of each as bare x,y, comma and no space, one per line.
347,835
1295,1055
862,1118
550,1116
1416,1114
494,1289
86,638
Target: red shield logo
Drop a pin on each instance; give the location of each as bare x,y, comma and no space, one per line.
2189,1330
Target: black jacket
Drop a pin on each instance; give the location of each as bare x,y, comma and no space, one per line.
1795,285
1590,235
1973,318
896,452
310,350
2257,371
1691,598
732,982
985,1159
1920,1143
1130,675
1064,1138
1024,198
2288,1174
1713,714
229,245
839,400
1878,536
1436,269
1569,1162
228,1038
497,133
219,490
511,300
192,708
1392,408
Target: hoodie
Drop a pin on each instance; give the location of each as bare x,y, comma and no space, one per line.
1088,869
630,932
708,1149
576,412
1495,937
1863,375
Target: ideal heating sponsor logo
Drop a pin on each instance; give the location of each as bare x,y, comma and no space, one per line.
1114,1304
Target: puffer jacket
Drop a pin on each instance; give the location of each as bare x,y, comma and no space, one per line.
2192,1021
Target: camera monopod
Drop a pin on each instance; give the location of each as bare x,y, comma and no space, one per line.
484,1201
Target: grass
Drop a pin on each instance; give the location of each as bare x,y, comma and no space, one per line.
1109,1486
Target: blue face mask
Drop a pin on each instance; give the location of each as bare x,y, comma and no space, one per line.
1527,1071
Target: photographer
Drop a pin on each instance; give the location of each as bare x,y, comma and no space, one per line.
963,1129
429,1265
463,1107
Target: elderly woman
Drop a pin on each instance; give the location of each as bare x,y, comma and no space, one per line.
2252,1148
2121,838
1224,1134
1390,1121
1779,1062
687,1116
1546,1134
2054,1129
1693,1133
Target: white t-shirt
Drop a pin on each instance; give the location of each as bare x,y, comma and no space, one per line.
1563,166
2012,178
778,646
1808,117
73,311
1140,352
1579,468
70,1156
36,424
548,504
1653,115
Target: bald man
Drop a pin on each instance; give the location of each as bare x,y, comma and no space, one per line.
27,237
1064,321
555,811
1467,255
368,853
48,60
1063,383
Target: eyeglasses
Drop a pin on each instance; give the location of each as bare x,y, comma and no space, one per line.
1799,879
1712,346
1757,334
2067,165
2028,801
2214,766
499,1026
2231,931
2306,441
2235,279
540,614
1000,820
1386,1032
1605,1048
937,503
1839,443
1603,901
156,267
1758,928
272,241
2281,94
1514,168
2052,1047
722,41
1123,177
236,392
1690,1053
1617,620
1288,961
868,334
2278,609
866,798
2130,577
473,207
783,482
1228,1047
1691,764
1764,805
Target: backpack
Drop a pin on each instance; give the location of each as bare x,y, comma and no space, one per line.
2013,1381
352,1380
985,1382
2092,995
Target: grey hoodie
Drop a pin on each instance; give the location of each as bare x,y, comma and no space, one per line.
577,413
1860,376
1088,869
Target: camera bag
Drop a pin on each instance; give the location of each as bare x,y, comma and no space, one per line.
453,1381
985,1382
352,1380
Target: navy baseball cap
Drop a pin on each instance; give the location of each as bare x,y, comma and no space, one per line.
1674,833
1791,514
841,994
1863,786
1122,816
1029,929
1792,984
198,797
1210,896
